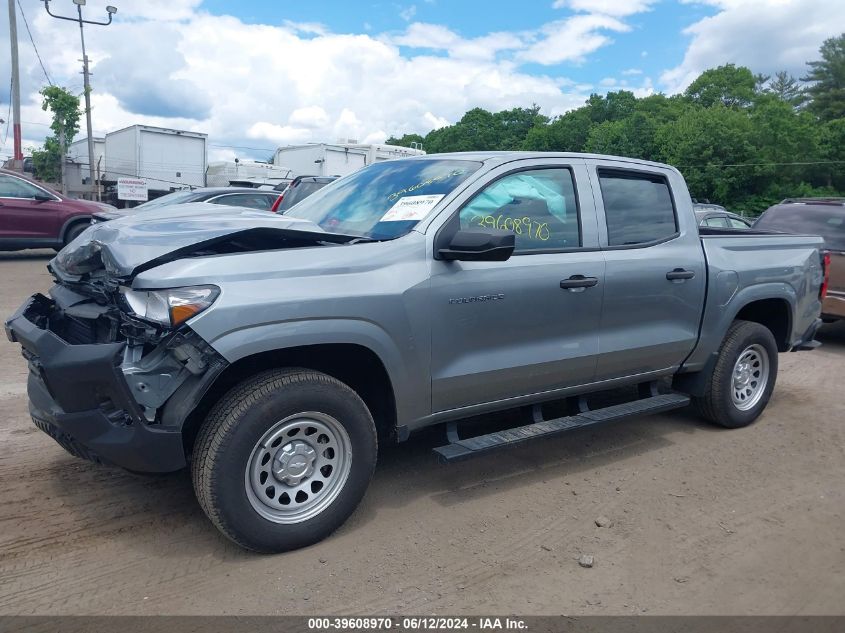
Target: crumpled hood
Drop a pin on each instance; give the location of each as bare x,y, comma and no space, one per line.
128,245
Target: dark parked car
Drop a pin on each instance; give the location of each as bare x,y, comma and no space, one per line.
716,216
816,216
262,199
35,216
298,190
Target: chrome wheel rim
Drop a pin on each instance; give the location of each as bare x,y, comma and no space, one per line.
750,377
298,467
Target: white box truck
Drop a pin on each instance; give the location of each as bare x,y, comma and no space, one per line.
246,173
326,159
167,159
78,153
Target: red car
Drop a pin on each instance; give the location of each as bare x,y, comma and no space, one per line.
35,216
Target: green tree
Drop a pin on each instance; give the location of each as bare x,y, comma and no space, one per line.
614,106
512,126
405,140
730,85
783,136
832,147
480,130
786,88
474,132
827,77
567,133
64,107
706,144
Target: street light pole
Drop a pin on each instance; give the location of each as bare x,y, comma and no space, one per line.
86,76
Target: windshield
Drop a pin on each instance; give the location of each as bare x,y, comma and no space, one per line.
177,197
828,221
384,200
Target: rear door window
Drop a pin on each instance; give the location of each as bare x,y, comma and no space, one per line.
638,207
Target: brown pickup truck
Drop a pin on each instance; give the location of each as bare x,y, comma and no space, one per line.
816,216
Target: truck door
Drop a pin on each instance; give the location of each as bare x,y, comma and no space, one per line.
655,275
527,325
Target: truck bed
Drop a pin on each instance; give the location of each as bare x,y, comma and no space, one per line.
744,265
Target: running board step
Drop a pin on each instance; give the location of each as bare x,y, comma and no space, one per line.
462,449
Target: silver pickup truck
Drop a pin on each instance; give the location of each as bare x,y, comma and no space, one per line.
273,353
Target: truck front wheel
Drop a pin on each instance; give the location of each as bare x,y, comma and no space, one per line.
284,459
743,376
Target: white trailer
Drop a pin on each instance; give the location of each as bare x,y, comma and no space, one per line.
326,159
78,153
246,173
167,159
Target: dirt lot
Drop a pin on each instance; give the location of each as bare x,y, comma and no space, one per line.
704,520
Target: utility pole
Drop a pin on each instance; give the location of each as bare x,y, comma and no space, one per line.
17,157
86,76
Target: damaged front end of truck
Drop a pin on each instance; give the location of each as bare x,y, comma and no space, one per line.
115,370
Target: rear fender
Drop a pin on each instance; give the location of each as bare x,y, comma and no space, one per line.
722,310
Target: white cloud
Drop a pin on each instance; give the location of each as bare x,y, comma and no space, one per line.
765,35
438,37
259,85
310,117
408,13
282,134
312,28
572,39
170,63
435,122
618,8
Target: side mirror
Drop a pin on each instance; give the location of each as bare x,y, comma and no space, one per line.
486,245
41,197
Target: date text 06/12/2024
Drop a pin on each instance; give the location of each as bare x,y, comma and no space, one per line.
416,624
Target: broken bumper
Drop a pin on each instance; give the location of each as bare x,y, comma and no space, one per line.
79,397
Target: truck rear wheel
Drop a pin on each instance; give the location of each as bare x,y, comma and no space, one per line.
284,459
743,376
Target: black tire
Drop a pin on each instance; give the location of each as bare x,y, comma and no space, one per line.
73,232
718,405
241,419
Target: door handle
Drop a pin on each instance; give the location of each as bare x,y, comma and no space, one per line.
578,281
679,273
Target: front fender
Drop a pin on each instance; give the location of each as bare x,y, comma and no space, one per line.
411,391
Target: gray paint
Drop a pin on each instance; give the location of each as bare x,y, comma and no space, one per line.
536,342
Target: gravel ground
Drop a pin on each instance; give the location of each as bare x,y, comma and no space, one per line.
699,520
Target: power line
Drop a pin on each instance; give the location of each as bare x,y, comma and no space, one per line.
820,162
31,39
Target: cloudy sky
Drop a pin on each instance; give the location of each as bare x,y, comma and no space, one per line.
255,74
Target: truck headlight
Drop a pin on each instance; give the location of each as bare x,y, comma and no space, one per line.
170,307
